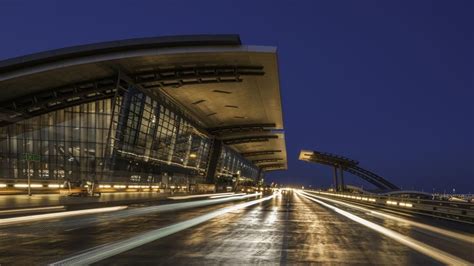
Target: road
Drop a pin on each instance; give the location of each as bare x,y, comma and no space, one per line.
285,229
25,201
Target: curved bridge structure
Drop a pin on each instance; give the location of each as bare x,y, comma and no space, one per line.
342,164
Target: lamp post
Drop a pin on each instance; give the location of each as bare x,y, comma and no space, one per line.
30,157
29,178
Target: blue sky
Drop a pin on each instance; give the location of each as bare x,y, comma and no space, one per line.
389,83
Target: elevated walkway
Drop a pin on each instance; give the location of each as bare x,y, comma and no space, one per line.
342,164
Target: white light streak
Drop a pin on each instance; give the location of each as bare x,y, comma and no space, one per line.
39,217
223,196
199,196
462,237
430,251
32,209
105,251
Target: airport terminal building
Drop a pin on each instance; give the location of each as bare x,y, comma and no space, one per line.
151,112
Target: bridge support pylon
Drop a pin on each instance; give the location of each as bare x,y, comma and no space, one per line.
342,186
336,179
339,178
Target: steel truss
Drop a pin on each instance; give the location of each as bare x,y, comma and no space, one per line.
219,131
51,99
180,76
259,153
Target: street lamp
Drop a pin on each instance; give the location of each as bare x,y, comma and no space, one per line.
30,157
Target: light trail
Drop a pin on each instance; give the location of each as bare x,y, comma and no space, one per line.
199,196
224,196
182,205
423,248
463,237
39,217
132,212
52,208
106,251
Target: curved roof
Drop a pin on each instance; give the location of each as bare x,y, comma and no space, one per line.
230,89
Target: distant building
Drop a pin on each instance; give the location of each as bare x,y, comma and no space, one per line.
158,111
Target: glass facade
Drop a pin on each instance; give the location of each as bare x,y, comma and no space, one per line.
129,138
151,139
70,143
232,165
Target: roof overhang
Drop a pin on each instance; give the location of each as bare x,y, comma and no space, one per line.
229,88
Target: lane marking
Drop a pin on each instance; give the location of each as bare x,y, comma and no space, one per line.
106,251
39,217
430,251
32,209
469,238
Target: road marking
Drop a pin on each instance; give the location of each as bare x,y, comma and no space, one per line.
39,217
430,251
469,238
106,251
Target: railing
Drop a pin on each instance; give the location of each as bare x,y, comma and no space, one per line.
457,211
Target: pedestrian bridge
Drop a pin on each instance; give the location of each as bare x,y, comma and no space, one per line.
341,164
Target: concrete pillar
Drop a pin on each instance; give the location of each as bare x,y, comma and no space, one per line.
336,183
214,155
341,183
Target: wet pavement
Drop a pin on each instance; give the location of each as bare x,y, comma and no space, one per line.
287,229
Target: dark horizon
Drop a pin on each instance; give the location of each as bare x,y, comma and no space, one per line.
387,84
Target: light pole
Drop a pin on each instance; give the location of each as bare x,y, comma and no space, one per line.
30,157
29,178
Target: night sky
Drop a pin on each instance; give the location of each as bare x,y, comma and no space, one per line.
388,83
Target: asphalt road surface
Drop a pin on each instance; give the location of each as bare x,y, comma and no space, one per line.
285,229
